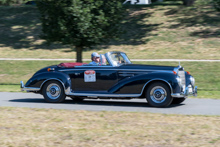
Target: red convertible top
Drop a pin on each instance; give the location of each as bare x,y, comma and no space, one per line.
70,64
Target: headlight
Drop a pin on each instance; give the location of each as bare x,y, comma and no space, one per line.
179,81
192,80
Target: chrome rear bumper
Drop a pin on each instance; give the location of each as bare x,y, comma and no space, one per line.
189,91
28,89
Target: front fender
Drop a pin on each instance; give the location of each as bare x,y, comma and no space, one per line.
38,80
136,84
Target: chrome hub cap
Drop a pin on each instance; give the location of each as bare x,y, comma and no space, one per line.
158,94
53,91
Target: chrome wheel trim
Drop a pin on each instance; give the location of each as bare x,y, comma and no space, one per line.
158,94
53,91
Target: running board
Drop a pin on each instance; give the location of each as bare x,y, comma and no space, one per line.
102,94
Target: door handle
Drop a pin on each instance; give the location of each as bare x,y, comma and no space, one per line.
77,73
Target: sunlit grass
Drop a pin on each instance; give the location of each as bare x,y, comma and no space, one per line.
152,32
48,127
10,88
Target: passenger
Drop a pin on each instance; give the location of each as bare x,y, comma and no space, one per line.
103,60
95,57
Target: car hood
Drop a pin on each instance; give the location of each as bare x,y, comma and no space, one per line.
147,67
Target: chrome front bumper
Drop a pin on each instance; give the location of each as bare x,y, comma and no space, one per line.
189,91
28,89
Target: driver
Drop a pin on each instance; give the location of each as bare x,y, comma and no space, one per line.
95,57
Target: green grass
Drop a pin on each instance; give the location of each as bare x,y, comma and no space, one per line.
12,72
10,88
205,73
165,30
209,94
49,127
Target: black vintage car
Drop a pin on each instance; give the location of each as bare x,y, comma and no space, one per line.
114,77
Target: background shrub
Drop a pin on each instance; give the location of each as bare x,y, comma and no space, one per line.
216,4
12,2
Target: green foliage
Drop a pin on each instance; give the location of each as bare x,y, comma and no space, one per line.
80,22
11,2
188,2
203,2
216,4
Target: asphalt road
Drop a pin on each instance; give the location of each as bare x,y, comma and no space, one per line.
189,107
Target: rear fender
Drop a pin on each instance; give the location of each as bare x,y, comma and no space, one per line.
39,80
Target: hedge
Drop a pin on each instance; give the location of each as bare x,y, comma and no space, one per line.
12,2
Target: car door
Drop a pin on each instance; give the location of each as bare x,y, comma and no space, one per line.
94,78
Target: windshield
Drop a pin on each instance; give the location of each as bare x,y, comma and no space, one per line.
118,58
103,60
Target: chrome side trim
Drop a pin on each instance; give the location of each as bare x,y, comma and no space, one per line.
131,72
104,95
126,75
143,71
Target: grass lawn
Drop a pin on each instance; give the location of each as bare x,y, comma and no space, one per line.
49,127
152,32
205,73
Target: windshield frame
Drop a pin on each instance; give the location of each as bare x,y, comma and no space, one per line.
115,63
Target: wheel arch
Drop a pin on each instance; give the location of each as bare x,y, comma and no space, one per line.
52,79
154,81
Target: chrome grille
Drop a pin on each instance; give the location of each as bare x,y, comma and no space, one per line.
181,74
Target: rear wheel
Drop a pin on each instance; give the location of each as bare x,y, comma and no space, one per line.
158,95
53,92
178,100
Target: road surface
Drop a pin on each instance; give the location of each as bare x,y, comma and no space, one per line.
189,107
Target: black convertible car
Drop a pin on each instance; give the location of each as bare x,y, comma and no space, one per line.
114,77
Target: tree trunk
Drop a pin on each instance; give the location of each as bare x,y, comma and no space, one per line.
79,53
188,2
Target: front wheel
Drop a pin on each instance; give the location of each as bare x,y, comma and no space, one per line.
53,92
158,95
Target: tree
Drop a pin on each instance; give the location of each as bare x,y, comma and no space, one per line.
216,4
11,2
80,23
188,2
